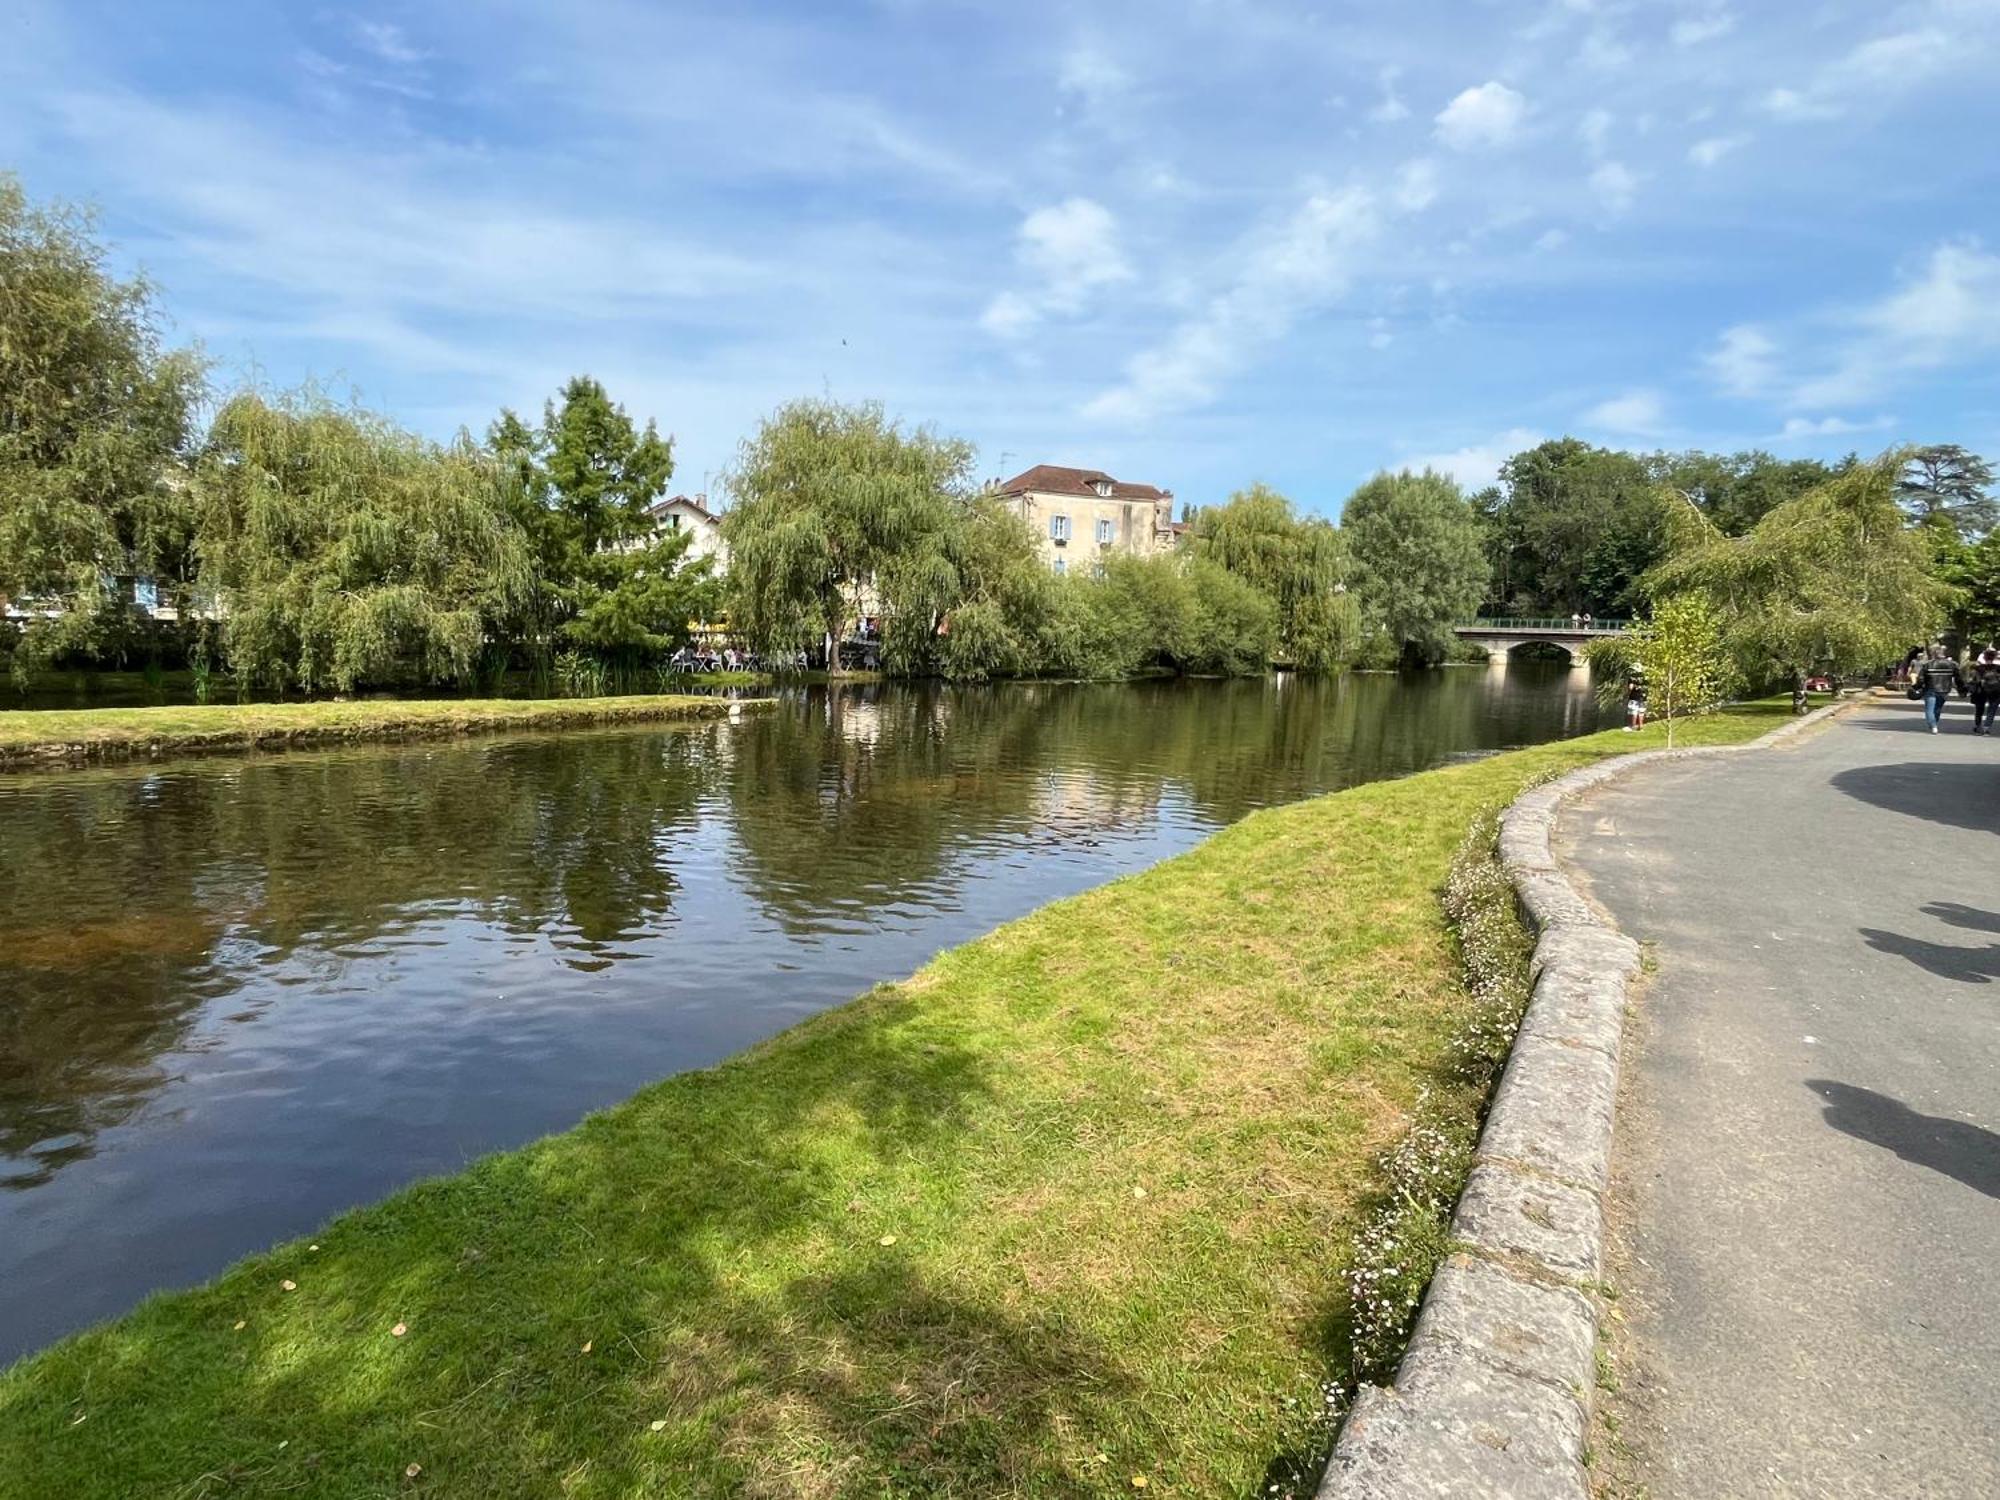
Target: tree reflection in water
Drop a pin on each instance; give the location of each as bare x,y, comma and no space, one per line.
488,906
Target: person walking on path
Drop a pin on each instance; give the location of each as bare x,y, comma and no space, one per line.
1982,686
1939,678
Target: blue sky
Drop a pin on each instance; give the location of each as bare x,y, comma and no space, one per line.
1195,245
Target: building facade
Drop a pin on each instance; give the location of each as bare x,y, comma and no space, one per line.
691,514
1079,517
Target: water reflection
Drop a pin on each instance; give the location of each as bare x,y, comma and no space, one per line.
238,996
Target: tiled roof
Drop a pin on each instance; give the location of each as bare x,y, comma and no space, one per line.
1053,479
696,503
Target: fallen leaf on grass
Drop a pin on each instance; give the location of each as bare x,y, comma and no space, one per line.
1138,1481
290,1286
586,1345
887,1239
399,1330
1138,1192
241,1324
413,1471
659,1425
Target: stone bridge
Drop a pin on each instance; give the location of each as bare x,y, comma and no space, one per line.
1503,637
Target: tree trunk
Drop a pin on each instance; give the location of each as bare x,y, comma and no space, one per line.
1799,690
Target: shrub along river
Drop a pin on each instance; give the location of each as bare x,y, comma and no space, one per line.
237,996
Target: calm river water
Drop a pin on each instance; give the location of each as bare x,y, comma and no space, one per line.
238,996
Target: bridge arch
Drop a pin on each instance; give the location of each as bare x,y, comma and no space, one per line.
1502,638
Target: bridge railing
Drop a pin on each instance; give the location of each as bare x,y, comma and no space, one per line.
1551,622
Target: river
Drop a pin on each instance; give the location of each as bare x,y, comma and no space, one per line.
237,996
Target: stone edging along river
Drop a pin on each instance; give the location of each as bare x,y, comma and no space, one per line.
1493,1394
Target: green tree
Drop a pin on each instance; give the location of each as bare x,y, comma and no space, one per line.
1418,558
94,428
1737,490
830,502
609,581
1833,580
1971,570
1946,484
1300,564
340,551
1571,530
1678,654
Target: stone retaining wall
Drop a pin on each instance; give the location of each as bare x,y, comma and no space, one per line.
1493,1395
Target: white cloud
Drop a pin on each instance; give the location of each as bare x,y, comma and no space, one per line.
1707,152
1486,116
1379,336
1807,427
1947,313
1071,248
1635,412
1417,185
1390,108
1877,68
1477,464
1283,276
1744,361
1551,239
388,42
1704,26
1595,130
1089,74
1615,185
1603,51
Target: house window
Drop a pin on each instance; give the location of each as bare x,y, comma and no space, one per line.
1061,566
1058,528
1103,488
1104,533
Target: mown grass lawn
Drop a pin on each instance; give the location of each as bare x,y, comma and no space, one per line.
29,736
1068,1208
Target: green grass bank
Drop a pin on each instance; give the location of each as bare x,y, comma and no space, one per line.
55,736
1069,1208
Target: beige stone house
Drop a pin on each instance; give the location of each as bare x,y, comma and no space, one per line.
1081,516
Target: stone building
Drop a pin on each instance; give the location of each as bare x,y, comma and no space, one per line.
1080,516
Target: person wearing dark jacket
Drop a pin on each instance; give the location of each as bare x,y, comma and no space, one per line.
1982,686
1939,677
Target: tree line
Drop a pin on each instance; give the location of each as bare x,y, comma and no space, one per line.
304,545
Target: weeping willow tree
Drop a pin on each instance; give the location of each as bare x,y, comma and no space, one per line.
1300,564
94,421
1834,580
338,550
835,505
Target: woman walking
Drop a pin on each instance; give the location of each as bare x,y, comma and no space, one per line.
1982,686
1938,677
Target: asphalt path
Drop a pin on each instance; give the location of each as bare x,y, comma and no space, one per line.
1807,1193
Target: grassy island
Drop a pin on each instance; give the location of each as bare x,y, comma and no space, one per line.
1067,1210
31,737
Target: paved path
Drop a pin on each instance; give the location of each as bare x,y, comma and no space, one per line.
1808,1173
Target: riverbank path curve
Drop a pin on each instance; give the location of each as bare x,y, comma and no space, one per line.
1806,1184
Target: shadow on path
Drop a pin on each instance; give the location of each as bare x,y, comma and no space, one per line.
1976,965
1960,1150
1957,914
1960,794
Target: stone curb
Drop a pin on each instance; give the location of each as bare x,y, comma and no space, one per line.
1493,1395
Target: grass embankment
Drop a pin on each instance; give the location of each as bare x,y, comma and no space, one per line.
1071,1205
55,735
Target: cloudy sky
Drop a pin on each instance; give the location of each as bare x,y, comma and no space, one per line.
1193,244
